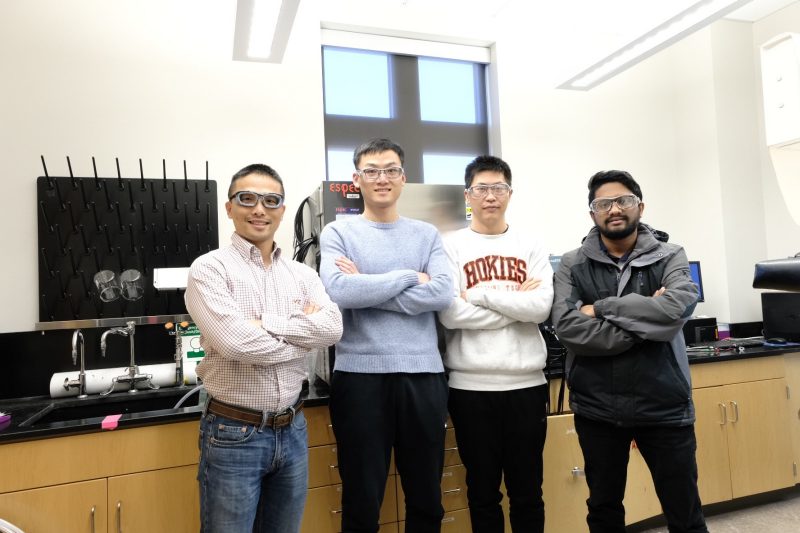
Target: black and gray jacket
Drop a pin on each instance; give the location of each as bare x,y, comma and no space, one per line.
628,365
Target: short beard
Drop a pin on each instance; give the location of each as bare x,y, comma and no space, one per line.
619,234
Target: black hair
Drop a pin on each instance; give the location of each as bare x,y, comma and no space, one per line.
613,176
484,163
375,146
259,169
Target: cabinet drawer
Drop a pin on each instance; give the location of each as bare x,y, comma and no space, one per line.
67,507
323,512
456,521
741,371
97,455
454,490
320,429
453,522
451,456
161,501
323,466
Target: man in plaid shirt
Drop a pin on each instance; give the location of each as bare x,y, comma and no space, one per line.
259,314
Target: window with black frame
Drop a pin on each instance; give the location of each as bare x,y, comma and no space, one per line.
434,108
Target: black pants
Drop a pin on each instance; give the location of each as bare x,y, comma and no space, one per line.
670,455
501,434
373,413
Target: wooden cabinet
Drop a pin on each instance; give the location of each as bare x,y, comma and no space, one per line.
161,501
564,487
792,364
143,479
454,490
743,446
742,412
323,512
54,484
324,502
323,506
74,507
641,501
451,456
453,522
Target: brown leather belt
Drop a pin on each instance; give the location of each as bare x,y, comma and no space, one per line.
253,417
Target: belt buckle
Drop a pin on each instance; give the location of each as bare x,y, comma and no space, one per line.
283,418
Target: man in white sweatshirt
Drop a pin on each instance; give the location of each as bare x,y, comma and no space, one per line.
496,354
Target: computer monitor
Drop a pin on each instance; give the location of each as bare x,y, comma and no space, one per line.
781,313
694,270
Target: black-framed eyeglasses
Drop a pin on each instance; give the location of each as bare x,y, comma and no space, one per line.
372,174
498,190
604,205
270,200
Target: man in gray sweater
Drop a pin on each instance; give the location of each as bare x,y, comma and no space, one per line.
389,275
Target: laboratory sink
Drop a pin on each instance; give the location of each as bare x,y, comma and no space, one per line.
119,403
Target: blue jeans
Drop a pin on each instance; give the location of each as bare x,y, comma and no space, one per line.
250,480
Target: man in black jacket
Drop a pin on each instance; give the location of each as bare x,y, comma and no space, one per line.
621,301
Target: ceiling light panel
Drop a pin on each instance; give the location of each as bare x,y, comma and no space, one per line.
684,23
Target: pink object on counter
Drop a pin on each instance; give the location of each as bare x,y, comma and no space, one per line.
5,421
110,422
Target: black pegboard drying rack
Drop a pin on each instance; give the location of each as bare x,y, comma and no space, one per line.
88,224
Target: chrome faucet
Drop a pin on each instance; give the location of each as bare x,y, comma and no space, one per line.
128,331
132,376
80,383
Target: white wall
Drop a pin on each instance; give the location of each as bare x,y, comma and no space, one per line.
782,233
742,218
154,79
142,79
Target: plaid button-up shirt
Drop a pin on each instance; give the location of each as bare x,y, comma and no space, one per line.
259,368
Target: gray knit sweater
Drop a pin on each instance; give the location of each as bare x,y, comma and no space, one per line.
388,316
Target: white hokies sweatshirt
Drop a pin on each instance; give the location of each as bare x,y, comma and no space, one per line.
493,338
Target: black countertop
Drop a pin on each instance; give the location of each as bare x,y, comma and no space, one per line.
23,409
746,353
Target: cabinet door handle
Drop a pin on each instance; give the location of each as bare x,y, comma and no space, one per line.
333,467
453,449
724,412
577,472
451,491
91,517
735,411
336,511
119,517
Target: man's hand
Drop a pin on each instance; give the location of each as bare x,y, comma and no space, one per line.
311,308
346,265
659,292
530,284
256,322
423,277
